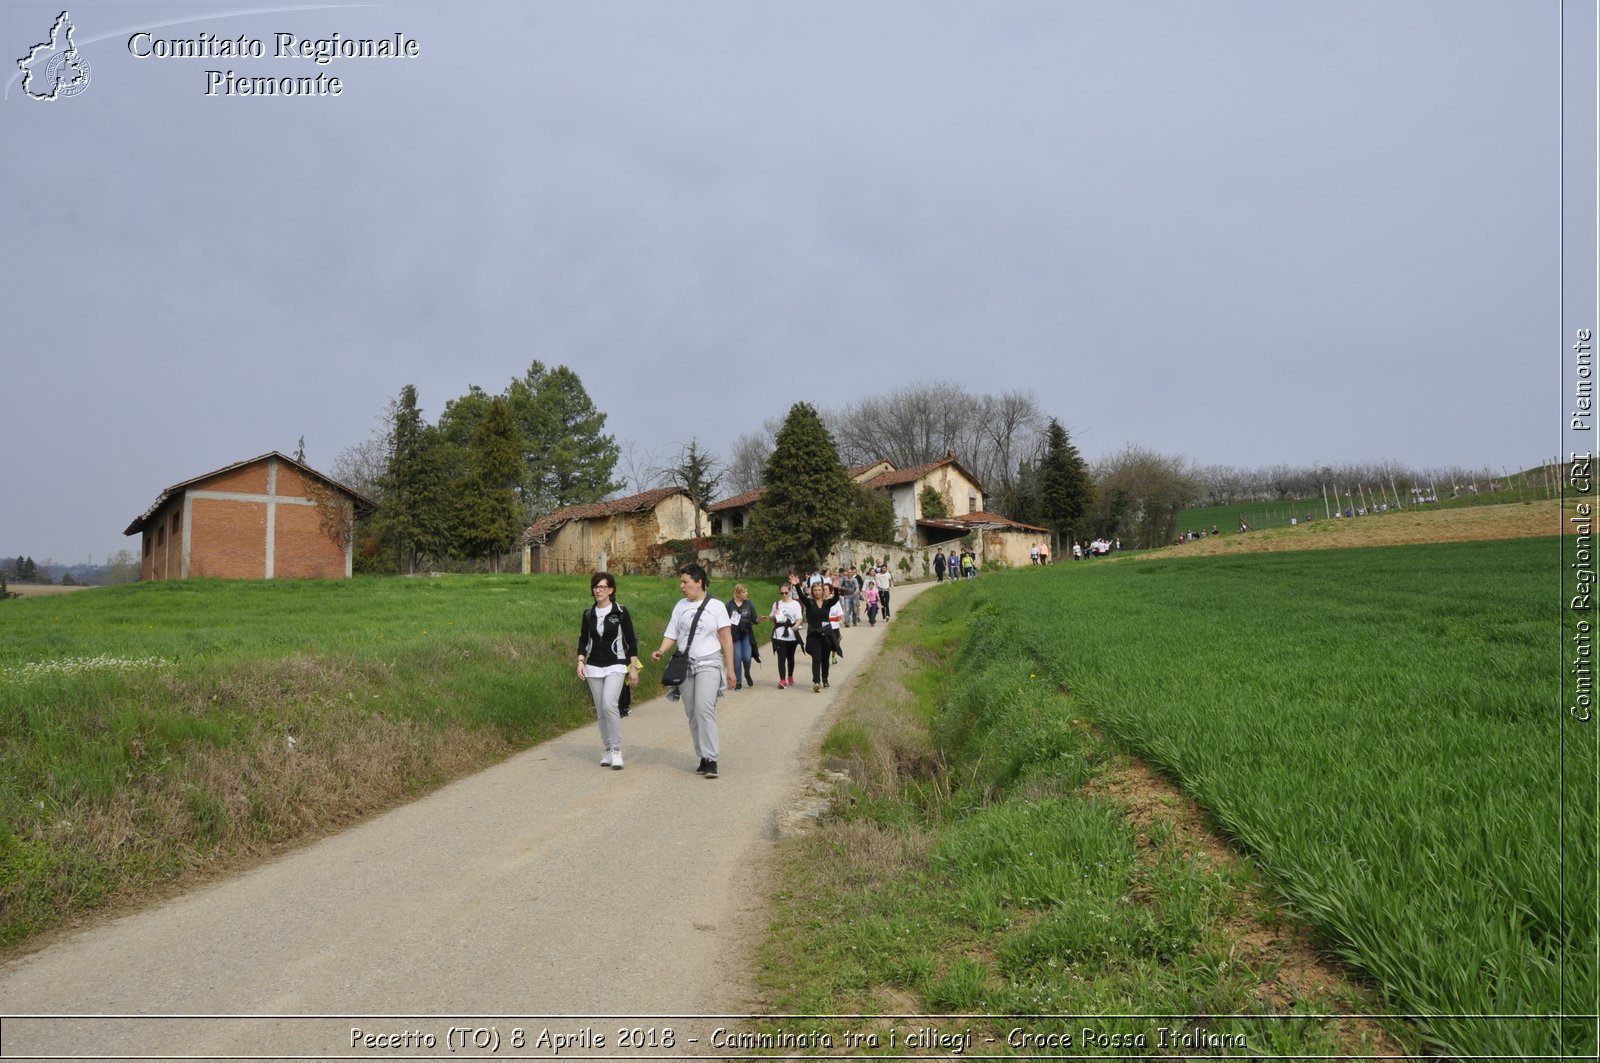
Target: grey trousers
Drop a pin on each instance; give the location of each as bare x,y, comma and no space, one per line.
607,691
700,693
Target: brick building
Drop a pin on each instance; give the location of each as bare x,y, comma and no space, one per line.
266,518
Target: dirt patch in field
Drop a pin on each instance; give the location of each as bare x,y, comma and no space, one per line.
39,590
1293,970
1522,520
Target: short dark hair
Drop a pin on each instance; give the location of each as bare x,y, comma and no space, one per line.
695,572
606,577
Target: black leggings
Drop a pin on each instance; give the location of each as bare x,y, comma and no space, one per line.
821,649
785,649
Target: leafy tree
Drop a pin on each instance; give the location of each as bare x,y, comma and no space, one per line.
871,516
697,472
415,518
567,457
932,503
487,505
1065,489
808,497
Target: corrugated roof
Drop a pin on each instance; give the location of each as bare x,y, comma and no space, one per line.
978,519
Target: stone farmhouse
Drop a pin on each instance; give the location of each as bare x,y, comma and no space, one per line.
627,534
619,535
270,517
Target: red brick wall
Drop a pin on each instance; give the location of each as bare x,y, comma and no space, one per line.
228,537
304,551
227,540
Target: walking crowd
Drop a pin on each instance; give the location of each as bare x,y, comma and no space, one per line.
713,645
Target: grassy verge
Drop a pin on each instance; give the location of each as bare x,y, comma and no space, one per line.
156,732
997,862
1379,730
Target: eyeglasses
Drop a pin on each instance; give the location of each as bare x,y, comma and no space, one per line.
604,587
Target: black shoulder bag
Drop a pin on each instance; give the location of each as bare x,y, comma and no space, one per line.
677,669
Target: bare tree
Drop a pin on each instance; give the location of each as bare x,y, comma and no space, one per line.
361,466
639,470
1141,494
747,466
991,434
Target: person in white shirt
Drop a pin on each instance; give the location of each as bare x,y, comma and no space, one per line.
710,654
786,618
885,582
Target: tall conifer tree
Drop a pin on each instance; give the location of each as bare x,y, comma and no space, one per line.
415,517
809,494
1065,490
487,494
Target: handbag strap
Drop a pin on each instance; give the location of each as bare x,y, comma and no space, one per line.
695,623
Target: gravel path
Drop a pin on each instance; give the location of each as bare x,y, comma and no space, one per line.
539,895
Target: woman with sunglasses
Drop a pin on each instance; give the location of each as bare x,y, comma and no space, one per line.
786,617
608,657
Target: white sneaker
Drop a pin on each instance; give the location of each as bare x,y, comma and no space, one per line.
605,761
616,760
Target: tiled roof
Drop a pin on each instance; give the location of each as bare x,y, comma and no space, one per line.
361,501
858,471
736,501
639,503
917,472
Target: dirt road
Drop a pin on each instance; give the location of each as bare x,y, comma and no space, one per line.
540,895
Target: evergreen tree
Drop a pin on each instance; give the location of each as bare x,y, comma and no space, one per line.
809,494
871,516
697,473
487,507
568,459
932,503
1065,490
414,519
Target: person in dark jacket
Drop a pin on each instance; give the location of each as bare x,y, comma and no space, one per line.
743,615
608,659
821,643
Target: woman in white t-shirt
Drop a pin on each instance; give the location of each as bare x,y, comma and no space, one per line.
786,618
710,654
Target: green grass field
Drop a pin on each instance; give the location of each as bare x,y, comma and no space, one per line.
1381,729
146,729
1526,486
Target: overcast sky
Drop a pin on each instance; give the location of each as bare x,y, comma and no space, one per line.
1244,231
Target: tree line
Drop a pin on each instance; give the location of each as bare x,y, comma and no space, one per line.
1225,485
463,489
460,491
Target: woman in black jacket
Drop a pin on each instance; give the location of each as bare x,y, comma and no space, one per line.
608,657
820,642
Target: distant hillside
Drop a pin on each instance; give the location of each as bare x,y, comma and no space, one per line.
48,571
